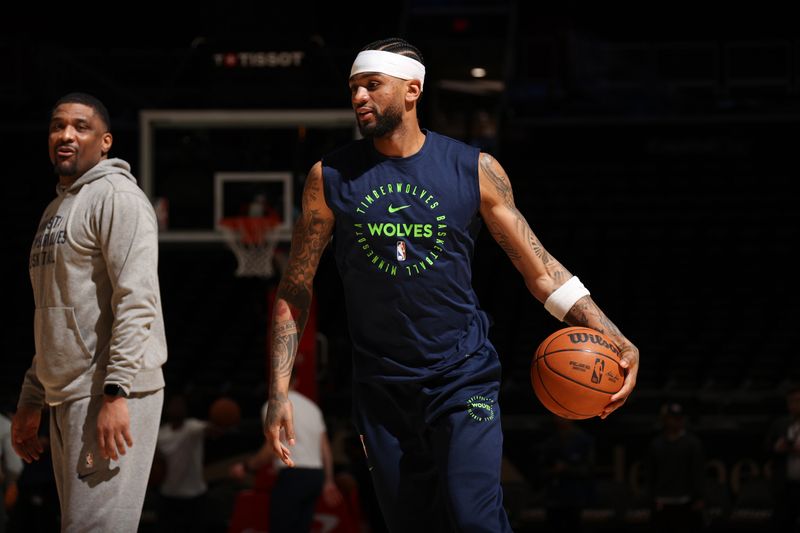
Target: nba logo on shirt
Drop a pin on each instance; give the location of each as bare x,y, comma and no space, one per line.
401,250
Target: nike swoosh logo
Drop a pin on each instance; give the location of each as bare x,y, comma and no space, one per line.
393,209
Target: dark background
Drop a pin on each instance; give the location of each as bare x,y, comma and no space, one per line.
653,153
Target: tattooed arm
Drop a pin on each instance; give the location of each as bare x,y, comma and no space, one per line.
542,272
292,303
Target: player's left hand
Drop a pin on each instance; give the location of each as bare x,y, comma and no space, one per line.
113,428
629,361
280,418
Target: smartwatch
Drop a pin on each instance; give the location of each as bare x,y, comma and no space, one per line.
112,389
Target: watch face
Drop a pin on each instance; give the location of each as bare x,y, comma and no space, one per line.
112,390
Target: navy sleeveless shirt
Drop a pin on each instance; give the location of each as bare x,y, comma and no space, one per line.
403,240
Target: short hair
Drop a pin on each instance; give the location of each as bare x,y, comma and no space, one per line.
87,100
396,45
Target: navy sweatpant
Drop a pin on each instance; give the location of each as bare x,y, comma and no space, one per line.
434,448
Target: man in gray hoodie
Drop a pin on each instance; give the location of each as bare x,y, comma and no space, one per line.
98,328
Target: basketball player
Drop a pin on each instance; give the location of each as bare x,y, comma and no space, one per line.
403,206
99,331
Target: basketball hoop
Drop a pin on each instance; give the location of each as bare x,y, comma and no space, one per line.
253,241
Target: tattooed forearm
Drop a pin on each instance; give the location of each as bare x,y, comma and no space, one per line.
298,296
284,349
586,313
296,289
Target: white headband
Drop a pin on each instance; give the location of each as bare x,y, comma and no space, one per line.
396,65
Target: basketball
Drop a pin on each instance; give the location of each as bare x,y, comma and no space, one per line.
224,412
575,372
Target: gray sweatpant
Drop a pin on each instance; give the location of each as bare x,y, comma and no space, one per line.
102,495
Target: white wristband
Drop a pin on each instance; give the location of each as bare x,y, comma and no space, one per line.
563,298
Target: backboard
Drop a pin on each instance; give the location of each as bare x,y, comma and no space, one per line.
198,165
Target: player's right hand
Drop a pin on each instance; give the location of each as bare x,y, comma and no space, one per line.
629,361
25,433
280,417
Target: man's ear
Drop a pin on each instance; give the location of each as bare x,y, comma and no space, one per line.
413,90
108,140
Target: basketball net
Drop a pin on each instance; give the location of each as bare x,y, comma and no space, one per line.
253,241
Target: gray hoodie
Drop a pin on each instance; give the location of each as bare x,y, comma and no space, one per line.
94,271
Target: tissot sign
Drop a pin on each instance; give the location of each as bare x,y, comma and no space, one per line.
265,59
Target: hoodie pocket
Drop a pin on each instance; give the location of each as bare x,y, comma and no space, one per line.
61,353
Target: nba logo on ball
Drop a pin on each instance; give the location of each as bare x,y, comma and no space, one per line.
401,250
597,373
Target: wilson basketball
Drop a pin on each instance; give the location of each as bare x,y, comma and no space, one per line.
224,412
575,372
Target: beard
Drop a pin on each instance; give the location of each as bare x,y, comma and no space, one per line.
384,124
67,168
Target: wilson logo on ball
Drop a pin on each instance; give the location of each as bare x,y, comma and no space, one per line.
582,338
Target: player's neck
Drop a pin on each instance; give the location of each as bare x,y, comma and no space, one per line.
405,141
